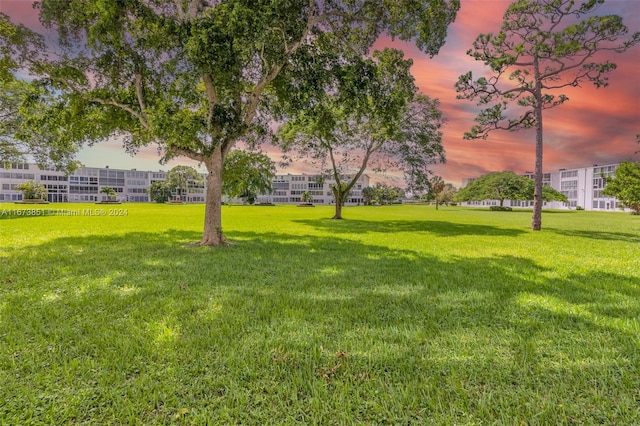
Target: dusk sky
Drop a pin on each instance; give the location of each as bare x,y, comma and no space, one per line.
596,126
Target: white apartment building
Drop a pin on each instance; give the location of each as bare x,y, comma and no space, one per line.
288,189
583,188
84,185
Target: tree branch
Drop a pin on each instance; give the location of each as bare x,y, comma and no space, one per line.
186,152
254,98
140,96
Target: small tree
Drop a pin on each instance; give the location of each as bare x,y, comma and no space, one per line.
436,186
368,195
179,177
625,185
31,190
541,47
109,192
385,194
306,197
448,194
160,192
247,174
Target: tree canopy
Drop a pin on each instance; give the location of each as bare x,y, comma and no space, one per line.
108,191
196,76
247,174
381,194
28,125
502,186
368,114
542,47
179,177
31,190
447,195
625,185
160,192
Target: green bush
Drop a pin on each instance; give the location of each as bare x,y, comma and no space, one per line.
579,208
32,190
500,209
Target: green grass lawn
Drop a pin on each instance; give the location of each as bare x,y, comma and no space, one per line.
396,315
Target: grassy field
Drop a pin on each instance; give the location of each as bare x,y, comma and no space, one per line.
397,315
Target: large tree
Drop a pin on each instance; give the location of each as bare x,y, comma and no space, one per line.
625,185
247,174
502,186
366,114
543,46
195,76
29,113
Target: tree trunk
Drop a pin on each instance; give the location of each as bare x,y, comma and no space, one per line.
213,235
338,196
436,203
536,220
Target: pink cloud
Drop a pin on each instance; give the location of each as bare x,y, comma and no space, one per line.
594,126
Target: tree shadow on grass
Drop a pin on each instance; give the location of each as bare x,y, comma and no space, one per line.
440,228
598,235
143,315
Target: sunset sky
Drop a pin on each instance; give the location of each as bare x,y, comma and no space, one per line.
596,126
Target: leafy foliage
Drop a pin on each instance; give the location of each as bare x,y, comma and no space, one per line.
504,186
542,47
180,177
160,192
194,76
29,119
31,190
381,194
447,195
436,186
306,197
625,185
247,174
108,191
366,115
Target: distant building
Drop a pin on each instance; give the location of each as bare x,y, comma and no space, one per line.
84,185
288,189
583,188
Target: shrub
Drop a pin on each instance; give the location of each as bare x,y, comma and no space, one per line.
500,209
579,208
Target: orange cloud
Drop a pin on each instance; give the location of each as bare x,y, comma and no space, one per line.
594,126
